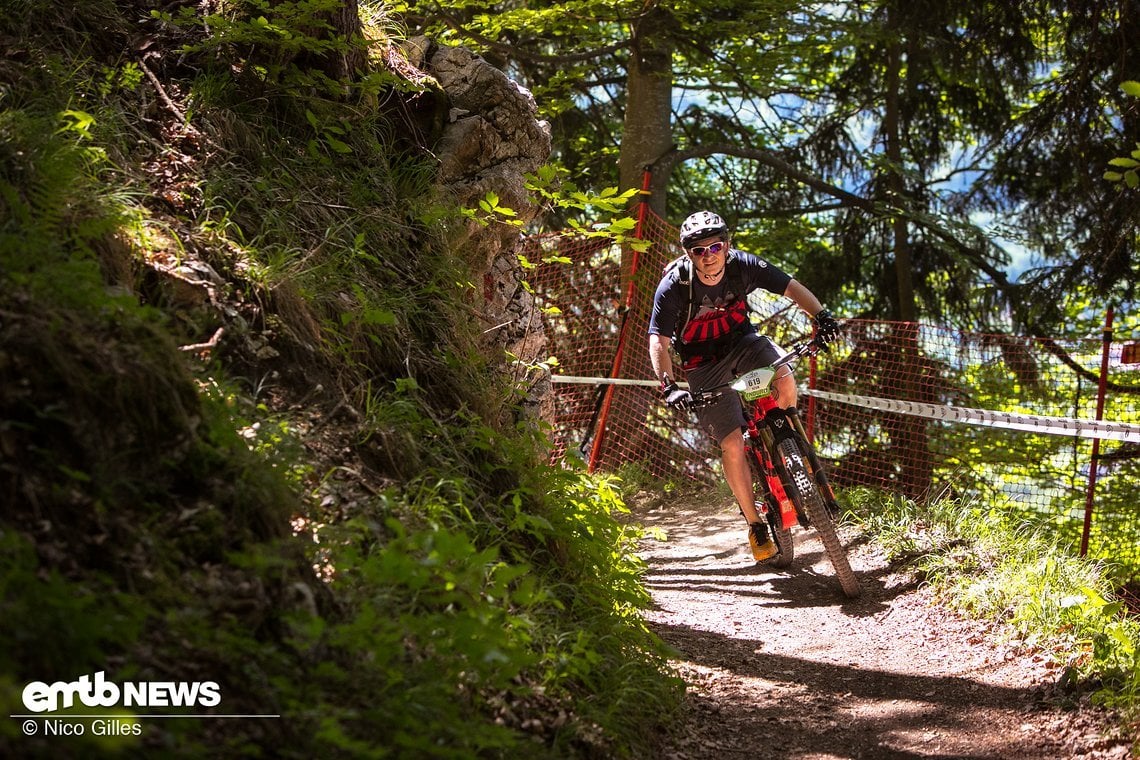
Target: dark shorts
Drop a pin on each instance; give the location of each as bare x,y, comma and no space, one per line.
725,415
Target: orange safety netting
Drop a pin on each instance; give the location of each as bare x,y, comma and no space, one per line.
597,299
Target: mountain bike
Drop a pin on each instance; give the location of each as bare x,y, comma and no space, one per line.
787,474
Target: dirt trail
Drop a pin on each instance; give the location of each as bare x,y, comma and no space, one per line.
782,665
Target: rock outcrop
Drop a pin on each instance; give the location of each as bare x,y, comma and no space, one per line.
491,139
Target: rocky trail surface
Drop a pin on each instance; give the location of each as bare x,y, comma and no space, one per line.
781,665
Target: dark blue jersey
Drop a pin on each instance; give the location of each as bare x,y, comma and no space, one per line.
706,321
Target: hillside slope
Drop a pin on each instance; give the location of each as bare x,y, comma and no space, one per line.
256,437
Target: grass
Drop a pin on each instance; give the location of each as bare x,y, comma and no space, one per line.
988,564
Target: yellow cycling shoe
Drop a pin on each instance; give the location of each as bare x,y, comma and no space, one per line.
763,547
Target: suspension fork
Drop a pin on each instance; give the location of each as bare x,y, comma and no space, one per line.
764,441
763,447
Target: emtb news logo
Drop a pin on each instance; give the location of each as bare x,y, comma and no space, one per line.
95,691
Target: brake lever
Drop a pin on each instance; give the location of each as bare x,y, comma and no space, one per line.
705,398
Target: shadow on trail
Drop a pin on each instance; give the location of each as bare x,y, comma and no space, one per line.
800,586
797,587
742,657
845,710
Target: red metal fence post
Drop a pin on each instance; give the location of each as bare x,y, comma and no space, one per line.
603,417
1094,462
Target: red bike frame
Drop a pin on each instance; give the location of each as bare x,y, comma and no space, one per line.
760,409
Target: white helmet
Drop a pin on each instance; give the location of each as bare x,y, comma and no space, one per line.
702,224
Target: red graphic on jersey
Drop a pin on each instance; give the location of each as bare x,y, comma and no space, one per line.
715,322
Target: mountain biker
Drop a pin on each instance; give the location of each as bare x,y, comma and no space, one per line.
701,308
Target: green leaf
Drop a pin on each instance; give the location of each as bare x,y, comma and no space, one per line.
1127,163
1132,179
79,122
337,145
1131,88
624,224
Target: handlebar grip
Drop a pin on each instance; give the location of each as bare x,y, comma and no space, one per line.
704,398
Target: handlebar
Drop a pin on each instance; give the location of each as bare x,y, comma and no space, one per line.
706,396
811,348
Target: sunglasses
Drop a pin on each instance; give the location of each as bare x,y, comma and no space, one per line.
707,250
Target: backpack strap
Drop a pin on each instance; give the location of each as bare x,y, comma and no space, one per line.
680,270
734,276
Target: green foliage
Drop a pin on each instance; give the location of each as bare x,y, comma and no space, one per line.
476,603
271,437
1115,640
446,627
985,124
50,211
490,210
62,627
456,630
1057,603
928,534
551,190
1126,164
597,579
278,30
268,39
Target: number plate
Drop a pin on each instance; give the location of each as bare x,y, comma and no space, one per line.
755,384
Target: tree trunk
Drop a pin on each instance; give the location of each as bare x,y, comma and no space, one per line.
339,65
904,263
345,66
914,443
647,132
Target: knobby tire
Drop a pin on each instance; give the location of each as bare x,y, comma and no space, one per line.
817,513
783,536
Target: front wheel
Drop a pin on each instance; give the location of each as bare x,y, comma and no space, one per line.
811,500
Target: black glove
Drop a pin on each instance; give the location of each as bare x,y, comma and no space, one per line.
675,397
826,328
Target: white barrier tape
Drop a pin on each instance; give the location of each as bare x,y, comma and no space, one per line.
608,381
1033,423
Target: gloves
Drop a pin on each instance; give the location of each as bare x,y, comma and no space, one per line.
827,329
674,396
